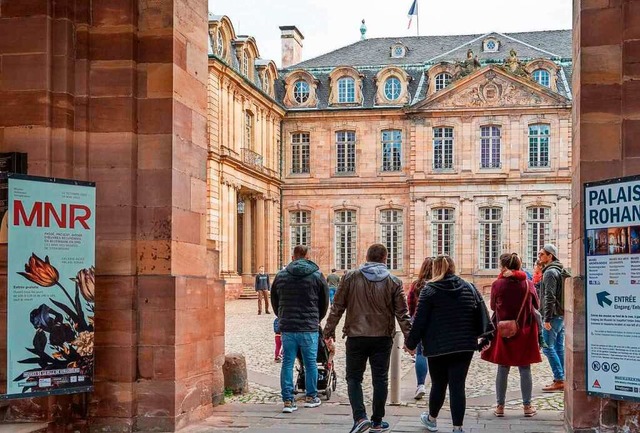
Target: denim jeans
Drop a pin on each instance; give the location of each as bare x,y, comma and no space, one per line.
307,343
332,293
377,350
421,366
554,338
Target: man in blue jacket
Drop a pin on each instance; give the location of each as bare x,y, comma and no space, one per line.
300,299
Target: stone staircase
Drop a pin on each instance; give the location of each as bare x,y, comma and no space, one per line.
23,427
248,293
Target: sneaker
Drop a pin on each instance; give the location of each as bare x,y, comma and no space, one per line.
420,392
529,411
268,312
499,411
556,386
312,402
360,426
381,426
430,423
278,359
289,406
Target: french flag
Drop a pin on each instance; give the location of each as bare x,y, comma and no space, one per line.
412,11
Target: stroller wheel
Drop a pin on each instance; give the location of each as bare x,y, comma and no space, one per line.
327,393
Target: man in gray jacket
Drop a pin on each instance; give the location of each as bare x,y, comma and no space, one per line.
551,293
373,299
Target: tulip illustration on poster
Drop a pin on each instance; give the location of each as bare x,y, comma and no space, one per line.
50,287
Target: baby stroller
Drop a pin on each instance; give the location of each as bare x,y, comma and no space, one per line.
327,378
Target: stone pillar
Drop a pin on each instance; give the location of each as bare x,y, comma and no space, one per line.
247,237
225,225
260,232
233,229
606,88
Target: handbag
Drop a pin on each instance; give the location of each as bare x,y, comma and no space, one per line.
509,328
484,325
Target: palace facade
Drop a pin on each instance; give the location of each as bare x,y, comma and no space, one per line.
432,145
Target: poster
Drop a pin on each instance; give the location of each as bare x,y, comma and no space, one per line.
50,286
612,282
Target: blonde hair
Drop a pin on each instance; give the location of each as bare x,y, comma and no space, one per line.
442,266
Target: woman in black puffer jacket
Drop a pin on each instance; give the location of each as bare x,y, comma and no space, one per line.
445,323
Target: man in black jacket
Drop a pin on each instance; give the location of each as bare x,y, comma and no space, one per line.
300,298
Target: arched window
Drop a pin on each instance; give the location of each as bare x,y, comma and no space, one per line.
392,88
541,76
490,237
346,90
442,231
245,64
391,236
301,91
219,40
442,80
300,226
345,239
538,232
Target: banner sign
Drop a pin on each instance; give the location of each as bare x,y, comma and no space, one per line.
612,283
50,286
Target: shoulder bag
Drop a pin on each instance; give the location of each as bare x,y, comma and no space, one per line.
509,328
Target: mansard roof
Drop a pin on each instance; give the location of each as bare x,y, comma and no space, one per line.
369,56
552,44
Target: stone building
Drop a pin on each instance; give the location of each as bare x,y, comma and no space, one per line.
243,166
431,145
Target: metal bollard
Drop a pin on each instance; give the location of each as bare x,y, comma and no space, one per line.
394,369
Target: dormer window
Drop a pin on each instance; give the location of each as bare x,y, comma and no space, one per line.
392,88
490,45
301,91
346,90
398,51
219,39
442,80
245,64
541,76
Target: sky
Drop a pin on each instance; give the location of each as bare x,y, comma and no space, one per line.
331,24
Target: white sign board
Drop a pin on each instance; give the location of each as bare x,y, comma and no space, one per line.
612,282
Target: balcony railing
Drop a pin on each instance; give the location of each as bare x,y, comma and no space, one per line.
252,158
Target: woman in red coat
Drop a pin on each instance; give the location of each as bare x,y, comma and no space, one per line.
521,350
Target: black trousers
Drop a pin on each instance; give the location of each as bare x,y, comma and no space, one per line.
377,350
449,370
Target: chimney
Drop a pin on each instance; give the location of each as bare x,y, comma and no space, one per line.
291,45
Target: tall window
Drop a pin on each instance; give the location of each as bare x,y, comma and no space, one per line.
391,236
346,90
219,44
248,130
538,231
392,150
490,237
541,76
300,224
442,80
300,152
539,145
392,88
301,91
490,147
345,152
442,229
346,229
442,148
245,64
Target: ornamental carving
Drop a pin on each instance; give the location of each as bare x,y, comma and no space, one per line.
466,67
513,65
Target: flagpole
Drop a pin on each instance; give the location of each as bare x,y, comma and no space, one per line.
417,18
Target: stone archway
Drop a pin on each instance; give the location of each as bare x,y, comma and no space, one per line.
606,144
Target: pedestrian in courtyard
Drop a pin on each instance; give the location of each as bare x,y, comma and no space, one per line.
414,294
333,280
514,298
446,324
300,299
262,287
373,300
551,292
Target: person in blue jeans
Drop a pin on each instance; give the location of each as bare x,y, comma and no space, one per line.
300,299
412,299
333,280
551,292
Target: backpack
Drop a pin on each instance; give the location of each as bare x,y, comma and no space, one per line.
564,276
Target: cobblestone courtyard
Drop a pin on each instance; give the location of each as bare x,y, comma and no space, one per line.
252,335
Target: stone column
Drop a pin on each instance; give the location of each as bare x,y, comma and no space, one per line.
233,229
224,227
260,233
247,237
